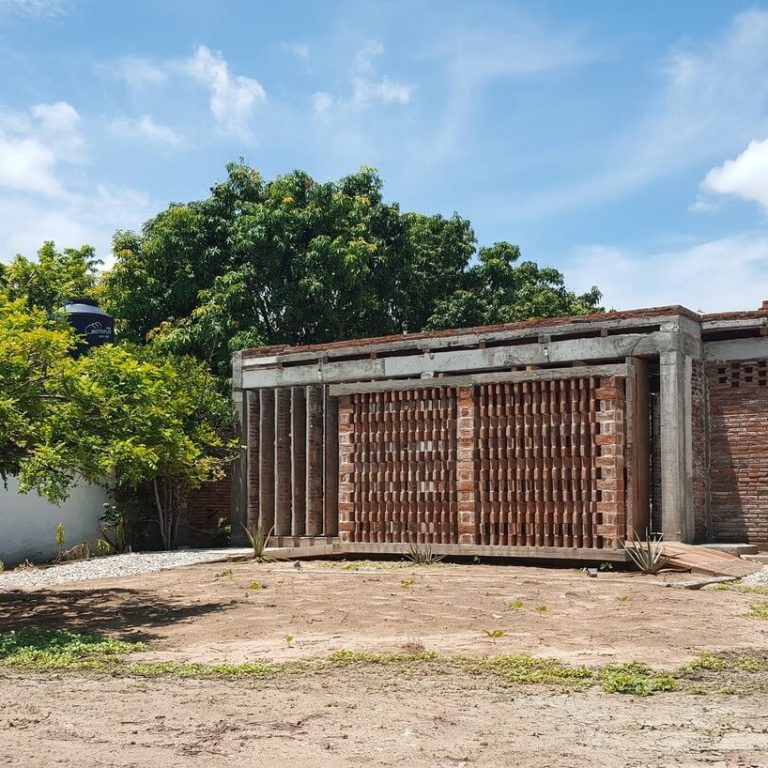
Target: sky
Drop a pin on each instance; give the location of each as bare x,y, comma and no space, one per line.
625,144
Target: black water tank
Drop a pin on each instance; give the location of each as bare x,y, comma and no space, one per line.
91,322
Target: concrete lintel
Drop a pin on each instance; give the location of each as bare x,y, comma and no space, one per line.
676,447
460,339
736,349
460,361
621,370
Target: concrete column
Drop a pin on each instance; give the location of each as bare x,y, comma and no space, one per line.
676,448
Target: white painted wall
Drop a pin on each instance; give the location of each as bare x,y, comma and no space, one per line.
28,522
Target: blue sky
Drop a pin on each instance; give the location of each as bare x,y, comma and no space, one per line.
624,143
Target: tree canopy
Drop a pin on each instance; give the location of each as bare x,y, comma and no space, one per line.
296,261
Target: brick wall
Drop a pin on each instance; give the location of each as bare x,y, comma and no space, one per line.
537,463
205,507
738,425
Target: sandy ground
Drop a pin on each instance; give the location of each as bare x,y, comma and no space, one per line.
374,716
204,614
352,719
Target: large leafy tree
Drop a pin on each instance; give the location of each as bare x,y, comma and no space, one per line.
145,420
124,416
53,278
31,348
296,261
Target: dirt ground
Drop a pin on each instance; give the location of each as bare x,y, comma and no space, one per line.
361,716
352,719
209,613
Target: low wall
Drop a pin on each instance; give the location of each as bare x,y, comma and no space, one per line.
28,522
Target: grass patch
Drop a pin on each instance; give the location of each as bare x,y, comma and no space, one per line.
636,679
44,650
56,649
758,610
343,658
738,587
530,669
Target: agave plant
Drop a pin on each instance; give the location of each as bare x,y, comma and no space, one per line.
259,538
422,554
647,555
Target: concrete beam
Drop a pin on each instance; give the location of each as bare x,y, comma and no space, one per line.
620,370
676,448
464,339
736,349
500,358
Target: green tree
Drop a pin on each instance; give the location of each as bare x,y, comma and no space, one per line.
54,278
135,418
31,348
294,261
498,289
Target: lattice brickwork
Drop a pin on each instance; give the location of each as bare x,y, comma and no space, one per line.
536,463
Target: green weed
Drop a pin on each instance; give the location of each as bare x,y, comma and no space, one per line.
514,605
635,678
57,649
223,574
759,610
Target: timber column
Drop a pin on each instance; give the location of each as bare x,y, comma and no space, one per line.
676,447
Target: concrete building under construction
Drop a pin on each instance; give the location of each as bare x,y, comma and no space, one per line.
552,438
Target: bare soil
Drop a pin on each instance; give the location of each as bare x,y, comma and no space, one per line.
208,613
369,715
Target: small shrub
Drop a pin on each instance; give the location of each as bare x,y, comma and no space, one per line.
259,538
60,538
647,555
759,610
422,554
407,583
289,640
542,609
257,586
514,605
494,634
224,574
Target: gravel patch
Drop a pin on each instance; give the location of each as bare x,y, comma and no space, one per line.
756,579
109,567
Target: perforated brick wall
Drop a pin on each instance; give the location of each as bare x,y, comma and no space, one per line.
738,426
537,463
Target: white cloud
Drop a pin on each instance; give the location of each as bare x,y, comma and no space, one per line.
145,127
711,102
36,8
366,55
42,199
26,222
139,72
299,50
33,146
745,177
27,166
233,98
716,276
322,102
366,92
